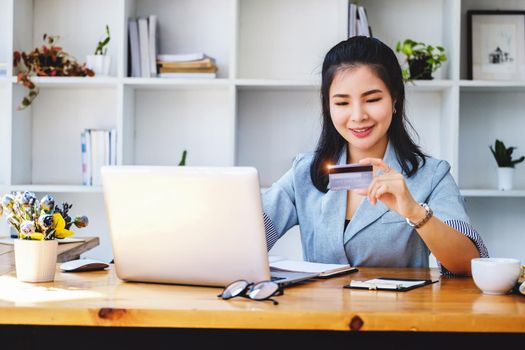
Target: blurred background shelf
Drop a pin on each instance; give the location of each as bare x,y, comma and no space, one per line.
264,106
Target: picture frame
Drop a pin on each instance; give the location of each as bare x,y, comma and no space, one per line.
496,45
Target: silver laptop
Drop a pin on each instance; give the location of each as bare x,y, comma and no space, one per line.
188,225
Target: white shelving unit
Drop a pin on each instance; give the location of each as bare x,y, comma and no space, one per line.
262,109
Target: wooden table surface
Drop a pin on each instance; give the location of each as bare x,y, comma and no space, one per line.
101,299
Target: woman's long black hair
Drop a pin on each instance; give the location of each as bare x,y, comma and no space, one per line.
381,59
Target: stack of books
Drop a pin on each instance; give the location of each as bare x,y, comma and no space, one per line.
357,21
99,148
195,65
143,45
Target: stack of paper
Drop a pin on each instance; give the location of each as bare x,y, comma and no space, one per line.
195,65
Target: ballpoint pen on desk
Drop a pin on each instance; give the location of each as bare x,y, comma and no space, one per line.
374,285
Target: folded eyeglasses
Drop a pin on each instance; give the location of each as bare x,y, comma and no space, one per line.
259,291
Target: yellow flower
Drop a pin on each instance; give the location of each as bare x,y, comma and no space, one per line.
37,236
59,224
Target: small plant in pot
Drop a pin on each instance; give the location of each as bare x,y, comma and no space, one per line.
39,225
422,59
100,62
506,164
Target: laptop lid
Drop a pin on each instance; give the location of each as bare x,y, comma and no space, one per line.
186,225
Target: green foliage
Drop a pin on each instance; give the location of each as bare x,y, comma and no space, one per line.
101,47
503,155
183,159
413,50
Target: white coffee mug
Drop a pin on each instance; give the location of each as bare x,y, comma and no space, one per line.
495,275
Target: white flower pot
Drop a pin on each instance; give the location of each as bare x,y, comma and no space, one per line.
100,64
35,260
505,178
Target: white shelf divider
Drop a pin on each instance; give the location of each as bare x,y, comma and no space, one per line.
492,193
74,82
167,83
54,188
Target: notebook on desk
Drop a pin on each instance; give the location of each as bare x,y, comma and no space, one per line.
188,225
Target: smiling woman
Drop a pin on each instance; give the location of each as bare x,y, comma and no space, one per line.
363,99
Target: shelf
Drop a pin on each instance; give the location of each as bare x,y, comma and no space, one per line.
428,85
74,82
165,83
492,193
53,188
275,84
487,85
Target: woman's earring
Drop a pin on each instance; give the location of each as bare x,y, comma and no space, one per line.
395,110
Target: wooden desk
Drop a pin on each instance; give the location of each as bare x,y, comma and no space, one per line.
101,299
66,252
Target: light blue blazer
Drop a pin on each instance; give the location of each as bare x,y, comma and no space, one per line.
375,236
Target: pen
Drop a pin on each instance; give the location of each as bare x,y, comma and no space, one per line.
373,286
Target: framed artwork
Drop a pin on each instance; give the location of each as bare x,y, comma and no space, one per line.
496,45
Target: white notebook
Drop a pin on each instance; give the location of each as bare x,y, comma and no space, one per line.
278,263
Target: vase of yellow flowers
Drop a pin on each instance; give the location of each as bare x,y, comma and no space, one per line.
39,225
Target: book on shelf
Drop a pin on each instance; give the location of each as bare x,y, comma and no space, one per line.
278,263
85,140
134,48
363,28
152,41
188,75
352,19
98,147
202,68
145,68
181,57
207,62
3,69
358,24
188,70
112,146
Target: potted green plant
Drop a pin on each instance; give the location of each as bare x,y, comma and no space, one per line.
100,62
39,224
183,158
49,60
422,59
506,164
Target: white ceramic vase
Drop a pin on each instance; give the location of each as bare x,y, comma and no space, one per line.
505,178
35,260
100,64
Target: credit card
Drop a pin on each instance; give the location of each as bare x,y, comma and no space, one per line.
349,176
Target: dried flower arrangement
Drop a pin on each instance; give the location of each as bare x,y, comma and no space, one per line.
48,60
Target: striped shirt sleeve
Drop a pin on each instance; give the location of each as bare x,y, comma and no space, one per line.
470,232
271,232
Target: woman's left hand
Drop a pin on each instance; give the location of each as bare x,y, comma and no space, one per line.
391,189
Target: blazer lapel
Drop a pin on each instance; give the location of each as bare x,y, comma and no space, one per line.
367,213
